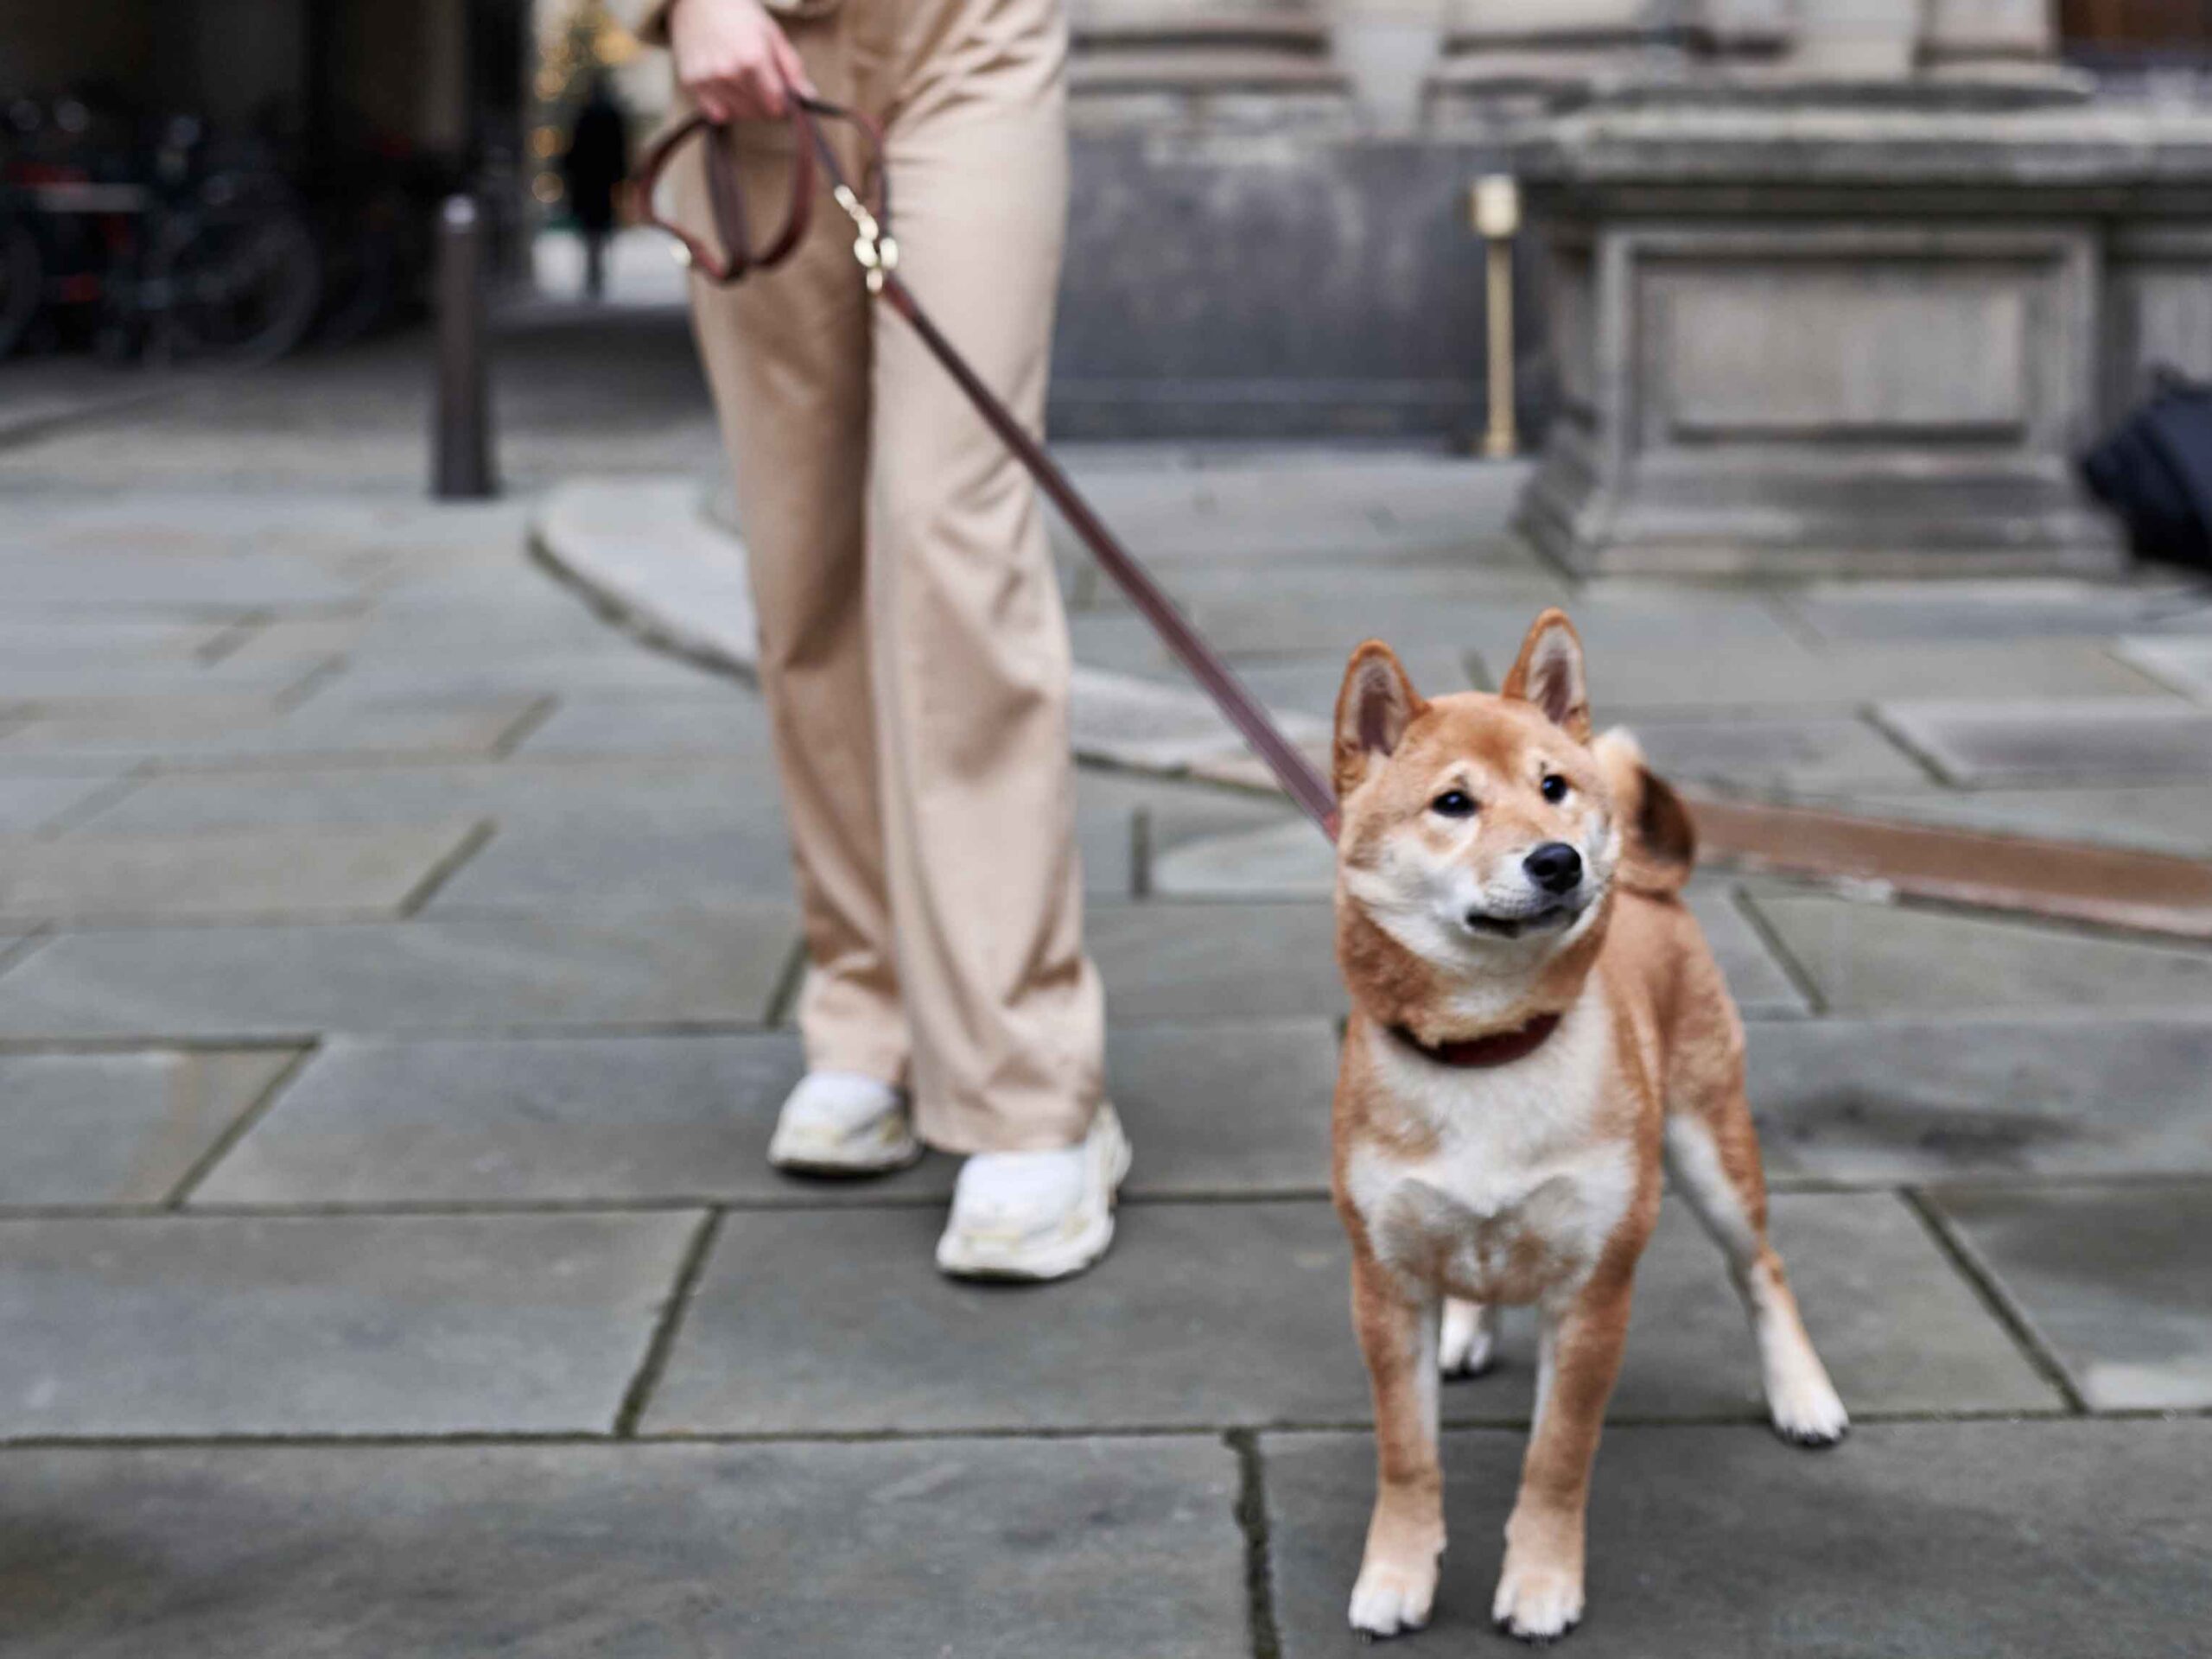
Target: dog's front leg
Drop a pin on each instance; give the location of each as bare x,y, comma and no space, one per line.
1540,1591
1396,1324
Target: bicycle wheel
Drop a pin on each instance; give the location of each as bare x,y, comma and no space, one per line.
22,277
237,284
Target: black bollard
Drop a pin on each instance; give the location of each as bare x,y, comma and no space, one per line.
460,440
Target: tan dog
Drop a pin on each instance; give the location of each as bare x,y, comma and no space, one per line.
1537,1022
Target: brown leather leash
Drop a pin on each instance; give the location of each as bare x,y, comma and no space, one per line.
876,252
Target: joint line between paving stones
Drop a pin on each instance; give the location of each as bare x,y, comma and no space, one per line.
234,636
318,673
384,1439
445,869
2003,1307
78,813
526,723
16,951
798,1203
689,1272
1259,1562
239,1127
1800,976
1900,739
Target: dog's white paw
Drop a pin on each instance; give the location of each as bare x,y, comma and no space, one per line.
1536,1602
1467,1344
1806,1411
1391,1597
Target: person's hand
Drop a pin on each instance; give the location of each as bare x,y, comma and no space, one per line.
732,60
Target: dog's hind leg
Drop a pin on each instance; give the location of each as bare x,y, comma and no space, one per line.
1713,1158
1405,1537
1468,1345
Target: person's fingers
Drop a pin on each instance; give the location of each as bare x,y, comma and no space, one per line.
791,66
711,103
764,89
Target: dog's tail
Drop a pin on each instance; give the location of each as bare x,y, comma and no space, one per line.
1661,842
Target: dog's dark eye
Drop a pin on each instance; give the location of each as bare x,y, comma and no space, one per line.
1554,788
1453,804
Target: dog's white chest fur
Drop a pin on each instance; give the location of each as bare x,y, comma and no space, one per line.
1522,1188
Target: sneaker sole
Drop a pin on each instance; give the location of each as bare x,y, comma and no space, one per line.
1059,1261
857,1167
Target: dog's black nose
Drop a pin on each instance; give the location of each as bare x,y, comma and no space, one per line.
1554,867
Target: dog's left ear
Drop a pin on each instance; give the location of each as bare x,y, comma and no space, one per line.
1548,673
1373,709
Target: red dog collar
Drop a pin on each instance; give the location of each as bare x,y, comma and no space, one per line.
1500,1048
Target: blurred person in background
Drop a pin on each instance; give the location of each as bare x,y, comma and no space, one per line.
597,161
913,654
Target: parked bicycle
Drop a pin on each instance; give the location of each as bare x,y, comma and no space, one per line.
171,251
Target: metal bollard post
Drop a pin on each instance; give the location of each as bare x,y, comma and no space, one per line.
1498,219
460,440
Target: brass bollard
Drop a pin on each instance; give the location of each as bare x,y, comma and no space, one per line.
1496,208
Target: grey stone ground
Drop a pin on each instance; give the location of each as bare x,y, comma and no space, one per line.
395,973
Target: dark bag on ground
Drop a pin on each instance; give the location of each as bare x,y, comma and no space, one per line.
2155,471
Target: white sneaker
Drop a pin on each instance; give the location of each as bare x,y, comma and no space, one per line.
842,1123
1036,1215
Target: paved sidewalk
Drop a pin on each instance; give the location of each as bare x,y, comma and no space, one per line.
395,963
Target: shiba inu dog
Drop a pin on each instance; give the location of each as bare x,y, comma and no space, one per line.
1537,1026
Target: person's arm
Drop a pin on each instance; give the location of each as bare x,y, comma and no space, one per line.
732,60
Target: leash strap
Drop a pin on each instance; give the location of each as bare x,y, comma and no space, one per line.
877,253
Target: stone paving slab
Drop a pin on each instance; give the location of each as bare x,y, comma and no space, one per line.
234,872
611,862
457,974
975,1548
34,803
419,1325
1753,752
72,641
1874,957
168,730
1310,683
1180,963
2171,819
2185,665
1911,1540
1227,1108
121,1128
2135,739
2012,608
729,723
837,1322
1983,1097
666,794
127,582
1756,676
2111,1278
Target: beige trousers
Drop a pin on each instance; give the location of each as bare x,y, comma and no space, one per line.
913,653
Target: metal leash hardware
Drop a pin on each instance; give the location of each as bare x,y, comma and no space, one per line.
875,248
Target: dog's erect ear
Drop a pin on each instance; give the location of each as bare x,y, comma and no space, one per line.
1548,673
1373,709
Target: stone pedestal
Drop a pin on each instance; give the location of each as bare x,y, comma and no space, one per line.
1135,60
1797,339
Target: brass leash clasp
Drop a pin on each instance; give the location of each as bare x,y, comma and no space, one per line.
874,248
